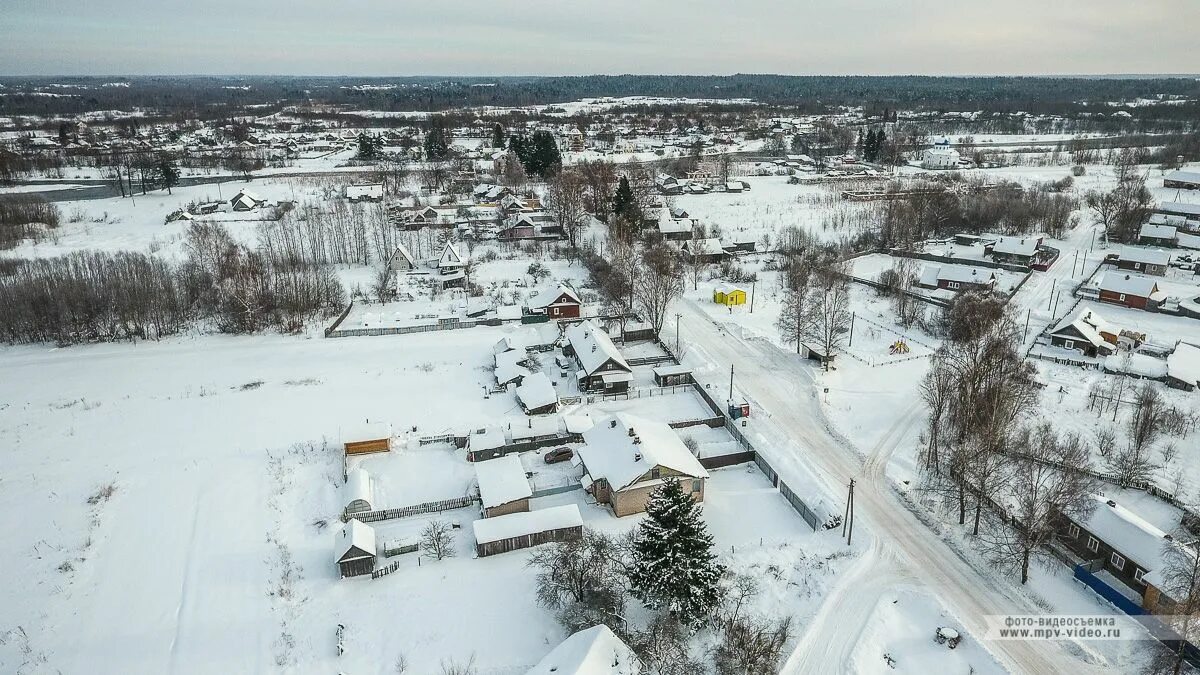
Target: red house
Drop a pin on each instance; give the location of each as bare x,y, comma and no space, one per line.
1130,290
559,302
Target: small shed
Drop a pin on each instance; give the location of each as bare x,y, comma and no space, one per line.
729,295
354,549
367,437
667,376
536,395
503,487
523,530
359,495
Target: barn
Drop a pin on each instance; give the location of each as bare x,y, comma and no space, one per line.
503,486
354,549
367,437
516,531
359,495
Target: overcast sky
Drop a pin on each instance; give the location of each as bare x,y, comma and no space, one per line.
571,37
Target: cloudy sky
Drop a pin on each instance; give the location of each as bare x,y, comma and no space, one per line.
556,37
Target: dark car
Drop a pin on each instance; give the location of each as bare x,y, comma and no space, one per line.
558,455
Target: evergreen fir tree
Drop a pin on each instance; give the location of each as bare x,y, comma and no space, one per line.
623,204
368,146
674,565
436,145
497,136
168,173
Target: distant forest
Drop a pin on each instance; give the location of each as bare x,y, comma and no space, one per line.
211,97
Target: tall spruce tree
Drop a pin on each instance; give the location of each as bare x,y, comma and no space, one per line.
623,203
674,565
437,145
497,136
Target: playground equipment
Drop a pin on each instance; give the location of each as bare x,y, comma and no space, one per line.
898,347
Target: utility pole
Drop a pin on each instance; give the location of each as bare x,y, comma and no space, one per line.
848,518
677,315
731,383
1026,333
850,342
753,283
1051,300
1074,264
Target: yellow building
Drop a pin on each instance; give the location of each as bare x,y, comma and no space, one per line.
729,295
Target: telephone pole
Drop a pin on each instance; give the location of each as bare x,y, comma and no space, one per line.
677,315
731,383
850,342
752,285
848,518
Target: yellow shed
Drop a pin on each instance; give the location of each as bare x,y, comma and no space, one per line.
729,295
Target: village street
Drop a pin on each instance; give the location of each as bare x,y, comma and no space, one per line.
786,412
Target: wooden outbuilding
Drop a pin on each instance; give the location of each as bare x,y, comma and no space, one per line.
516,531
729,295
668,376
354,550
503,487
367,438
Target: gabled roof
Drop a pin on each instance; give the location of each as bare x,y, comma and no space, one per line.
502,480
1131,535
1087,324
622,449
550,295
450,257
512,525
1185,176
709,246
594,651
1149,256
1158,231
1128,284
593,347
1184,363
1026,246
355,541
402,251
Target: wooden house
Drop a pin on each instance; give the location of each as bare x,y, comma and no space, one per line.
503,486
515,531
556,302
354,549
1144,260
956,278
1015,250
368,192
728,295
1131,290
601,365
1159,233
401,260
707,250
627,457
246,201
1086,331
536,395
1183,367
366,438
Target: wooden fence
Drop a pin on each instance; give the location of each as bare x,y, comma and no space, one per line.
386,570
414,510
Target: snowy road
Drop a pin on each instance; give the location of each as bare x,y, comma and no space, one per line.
904,551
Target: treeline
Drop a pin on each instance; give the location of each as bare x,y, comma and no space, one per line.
1006,209
199,94
93,296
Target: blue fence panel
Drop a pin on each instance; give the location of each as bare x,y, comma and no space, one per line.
1108,592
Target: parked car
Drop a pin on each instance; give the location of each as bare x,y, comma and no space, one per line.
558,455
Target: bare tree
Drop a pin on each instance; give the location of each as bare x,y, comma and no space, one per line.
663,648
1179,601
936,390
795,313
383,283
658,284
566,195
829,317
437,539
1134,462
1042,494
581,579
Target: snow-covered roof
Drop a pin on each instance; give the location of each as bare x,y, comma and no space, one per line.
512,525
402,251
450,257
366,431
1142,365
488,438
502,480
676,369
1179,208
1026,246
1128,284
594,651
932,274
354,535
1149,256
548,296
369,191
625,447
533,427
727,288
1087,323
514,342
1158,231
709,246
578,423
1128,533
536,391
507,369
508,312
358,486
1184,363
247,196
593,346
1183,176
